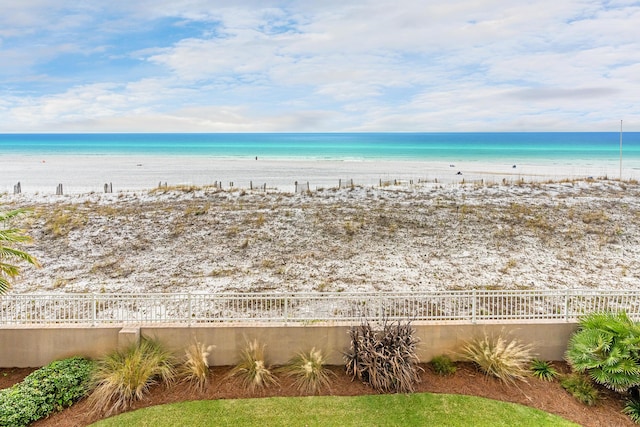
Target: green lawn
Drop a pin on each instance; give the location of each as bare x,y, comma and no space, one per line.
419,409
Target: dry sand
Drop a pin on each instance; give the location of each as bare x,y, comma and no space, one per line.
85,174
572,234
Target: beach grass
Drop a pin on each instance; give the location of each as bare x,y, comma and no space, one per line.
419,409
63,219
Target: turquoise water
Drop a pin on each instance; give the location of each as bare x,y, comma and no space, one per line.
413,146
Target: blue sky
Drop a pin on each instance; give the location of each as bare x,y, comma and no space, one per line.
319,66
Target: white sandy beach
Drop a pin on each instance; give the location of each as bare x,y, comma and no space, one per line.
511,235
85,173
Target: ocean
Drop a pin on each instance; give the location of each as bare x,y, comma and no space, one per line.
86,162
376,146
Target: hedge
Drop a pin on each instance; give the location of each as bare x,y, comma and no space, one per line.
44,391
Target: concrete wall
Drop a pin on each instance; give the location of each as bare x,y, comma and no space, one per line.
37,346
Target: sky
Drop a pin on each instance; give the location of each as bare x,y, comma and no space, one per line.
319,66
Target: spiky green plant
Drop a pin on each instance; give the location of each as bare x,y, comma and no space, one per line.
580,387
632,409
252,368
496,356
442,365
607,347
195,366
543,370
385,359
125,376
8,254
308,370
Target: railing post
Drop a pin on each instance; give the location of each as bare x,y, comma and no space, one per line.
380,316
566,306
286,309
94,309
473,306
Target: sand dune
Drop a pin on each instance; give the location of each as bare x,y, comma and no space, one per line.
572,234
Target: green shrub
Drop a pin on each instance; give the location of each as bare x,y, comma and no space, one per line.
308,371
252,368
442,365
44,391
632,409
498,357
384,359
124,376
607,346
543,370
581,388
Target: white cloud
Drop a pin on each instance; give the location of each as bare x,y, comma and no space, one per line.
335,65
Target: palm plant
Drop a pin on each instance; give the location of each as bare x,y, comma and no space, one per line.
607,347
8,254
543,370
632,409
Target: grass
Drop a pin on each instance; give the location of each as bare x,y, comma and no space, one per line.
308,370
420,409
443,365
595,217
253,369
181,189
499,357
64,219
580,387
195,368
124,376
197,210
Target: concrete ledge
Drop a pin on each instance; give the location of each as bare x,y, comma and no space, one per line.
128,336
37,346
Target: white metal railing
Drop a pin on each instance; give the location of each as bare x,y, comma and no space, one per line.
189,308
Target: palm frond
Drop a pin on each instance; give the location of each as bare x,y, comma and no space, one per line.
9,236
10,253
4,285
